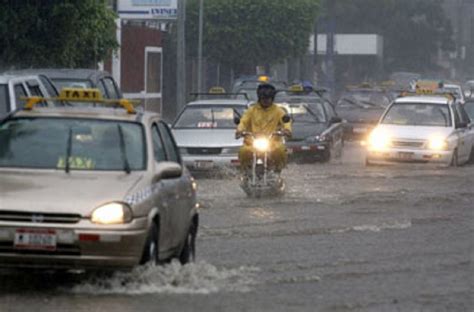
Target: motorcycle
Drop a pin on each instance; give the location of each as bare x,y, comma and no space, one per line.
261,179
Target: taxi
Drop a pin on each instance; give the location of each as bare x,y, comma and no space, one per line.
92,187
428,126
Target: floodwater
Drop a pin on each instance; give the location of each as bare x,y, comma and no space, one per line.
343,238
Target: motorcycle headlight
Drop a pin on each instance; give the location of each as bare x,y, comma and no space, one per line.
112,213
379,140
261,144
437,143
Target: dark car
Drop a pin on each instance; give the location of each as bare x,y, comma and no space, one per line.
317,130
79,78
361,109
469,107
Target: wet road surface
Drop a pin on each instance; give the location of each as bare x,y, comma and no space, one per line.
343,238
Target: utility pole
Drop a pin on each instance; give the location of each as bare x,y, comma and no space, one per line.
181,57
201,18
330,49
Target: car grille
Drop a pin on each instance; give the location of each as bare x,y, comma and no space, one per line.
204,150
61,249
408,144
15,216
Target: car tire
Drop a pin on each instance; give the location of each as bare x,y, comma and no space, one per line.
150,251
188,252
455,159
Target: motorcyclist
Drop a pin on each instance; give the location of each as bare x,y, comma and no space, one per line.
264,118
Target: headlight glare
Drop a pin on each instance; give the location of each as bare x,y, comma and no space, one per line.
379,140
437,143
261,144
112,213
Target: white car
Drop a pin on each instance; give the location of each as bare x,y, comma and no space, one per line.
205,133
456,90
422,128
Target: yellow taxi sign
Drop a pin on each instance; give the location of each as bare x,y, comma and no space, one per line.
263,78
427,86
80,94
296,88
217,90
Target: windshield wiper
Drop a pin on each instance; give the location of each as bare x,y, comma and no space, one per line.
68,150
126,165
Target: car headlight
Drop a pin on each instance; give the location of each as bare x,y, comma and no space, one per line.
437,143
261,144
379,140
112,213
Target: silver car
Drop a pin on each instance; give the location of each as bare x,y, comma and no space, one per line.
86,187
205,133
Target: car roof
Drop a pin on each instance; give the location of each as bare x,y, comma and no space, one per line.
222,102
4,78
65,73
106,113
423,99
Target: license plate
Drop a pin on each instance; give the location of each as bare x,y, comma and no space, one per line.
405,156
305,148
203,164
35,239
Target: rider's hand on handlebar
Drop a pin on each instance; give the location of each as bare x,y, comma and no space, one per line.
283,133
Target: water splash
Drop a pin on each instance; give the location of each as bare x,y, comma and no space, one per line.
195,278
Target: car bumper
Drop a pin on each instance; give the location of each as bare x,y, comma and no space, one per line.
357,131
409,156
306,151
210,162
76,247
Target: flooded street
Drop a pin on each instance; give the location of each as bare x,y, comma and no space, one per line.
343,238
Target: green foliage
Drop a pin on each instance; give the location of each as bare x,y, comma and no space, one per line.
48,33
242,33
413,30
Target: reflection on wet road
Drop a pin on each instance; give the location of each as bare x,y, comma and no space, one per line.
343,238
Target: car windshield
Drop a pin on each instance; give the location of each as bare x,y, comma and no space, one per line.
418,114
363,99
72,83
4,106
88,144
206,117
305,112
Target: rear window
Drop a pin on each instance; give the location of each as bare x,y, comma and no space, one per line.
72,83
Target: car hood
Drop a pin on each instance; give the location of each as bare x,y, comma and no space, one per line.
300,131
370,116
414,132
54,192
206,137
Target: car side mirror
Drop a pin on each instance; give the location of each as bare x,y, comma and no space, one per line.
468,93
167,170
236,120
286,118
335,119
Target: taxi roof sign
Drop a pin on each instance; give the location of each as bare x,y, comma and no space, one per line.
80,95
296,88
217,90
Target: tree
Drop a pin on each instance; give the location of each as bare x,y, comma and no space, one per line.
242,33
413,30
64,33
